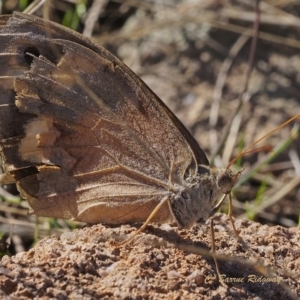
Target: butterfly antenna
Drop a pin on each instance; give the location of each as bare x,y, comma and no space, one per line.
249,149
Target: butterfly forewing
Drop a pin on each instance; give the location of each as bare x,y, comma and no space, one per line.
80,133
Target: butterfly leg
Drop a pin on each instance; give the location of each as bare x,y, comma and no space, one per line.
213,250
237,232
155,210
219,204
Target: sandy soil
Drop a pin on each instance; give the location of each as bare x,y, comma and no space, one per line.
161,263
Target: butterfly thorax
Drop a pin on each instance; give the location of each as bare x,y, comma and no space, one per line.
193,203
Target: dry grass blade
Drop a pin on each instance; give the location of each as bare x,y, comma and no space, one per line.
281,192
92,16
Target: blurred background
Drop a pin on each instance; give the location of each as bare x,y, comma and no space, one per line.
194,55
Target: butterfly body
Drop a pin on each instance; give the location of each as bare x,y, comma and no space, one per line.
85,139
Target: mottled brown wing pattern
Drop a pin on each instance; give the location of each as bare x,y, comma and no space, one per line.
80,133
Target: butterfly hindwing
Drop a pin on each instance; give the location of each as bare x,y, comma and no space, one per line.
80,133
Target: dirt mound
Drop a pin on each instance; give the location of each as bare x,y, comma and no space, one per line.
161,263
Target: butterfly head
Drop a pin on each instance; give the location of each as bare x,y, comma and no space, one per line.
226,180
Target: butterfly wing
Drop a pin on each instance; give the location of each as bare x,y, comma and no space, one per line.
80,133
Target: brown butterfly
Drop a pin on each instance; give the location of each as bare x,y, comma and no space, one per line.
86,139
